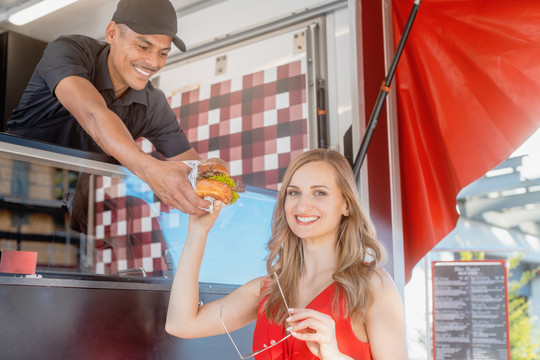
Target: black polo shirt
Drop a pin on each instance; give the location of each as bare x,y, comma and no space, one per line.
146,113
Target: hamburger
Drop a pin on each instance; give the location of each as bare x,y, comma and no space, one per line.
214,180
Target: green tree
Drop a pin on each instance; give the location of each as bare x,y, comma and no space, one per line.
524,339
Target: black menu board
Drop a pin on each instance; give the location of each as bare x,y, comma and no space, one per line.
470,310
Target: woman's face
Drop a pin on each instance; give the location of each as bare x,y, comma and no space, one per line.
314,204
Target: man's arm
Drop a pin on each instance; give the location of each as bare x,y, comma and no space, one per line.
168,179
190,154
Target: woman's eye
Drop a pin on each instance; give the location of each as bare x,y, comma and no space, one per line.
292,192
320,193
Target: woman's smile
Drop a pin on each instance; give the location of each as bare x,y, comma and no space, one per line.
306,220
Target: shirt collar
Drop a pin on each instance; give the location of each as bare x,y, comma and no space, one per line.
103,82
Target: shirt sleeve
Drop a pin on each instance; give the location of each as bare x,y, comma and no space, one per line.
166,134
63,57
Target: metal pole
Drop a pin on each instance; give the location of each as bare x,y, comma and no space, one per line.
427,270
385,89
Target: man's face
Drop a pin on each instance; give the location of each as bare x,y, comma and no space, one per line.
134,58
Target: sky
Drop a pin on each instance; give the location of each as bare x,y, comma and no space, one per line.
531,162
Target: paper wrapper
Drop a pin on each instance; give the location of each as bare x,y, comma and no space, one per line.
192,177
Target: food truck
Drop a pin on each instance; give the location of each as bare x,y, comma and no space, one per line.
261,82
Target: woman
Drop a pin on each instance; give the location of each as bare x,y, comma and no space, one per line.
324,257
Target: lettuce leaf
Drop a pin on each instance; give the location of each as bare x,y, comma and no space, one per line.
224,179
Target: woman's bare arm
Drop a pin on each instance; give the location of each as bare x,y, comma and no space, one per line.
385,320
185,318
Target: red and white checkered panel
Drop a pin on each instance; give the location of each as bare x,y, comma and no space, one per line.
127,231
257,123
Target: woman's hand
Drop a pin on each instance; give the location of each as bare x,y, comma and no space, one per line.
318,330
201,224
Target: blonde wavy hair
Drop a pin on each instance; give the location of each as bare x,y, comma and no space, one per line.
359,252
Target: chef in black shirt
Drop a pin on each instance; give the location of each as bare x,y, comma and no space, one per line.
96,96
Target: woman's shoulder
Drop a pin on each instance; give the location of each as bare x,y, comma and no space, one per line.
259,281
385,295
380,282
254,286
385,319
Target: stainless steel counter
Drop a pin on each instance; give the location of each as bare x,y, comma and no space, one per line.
97,317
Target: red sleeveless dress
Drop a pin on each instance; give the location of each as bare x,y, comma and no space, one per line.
294,349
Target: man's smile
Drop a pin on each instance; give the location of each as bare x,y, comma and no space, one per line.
143,71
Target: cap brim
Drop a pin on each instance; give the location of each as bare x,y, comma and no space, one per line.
179,43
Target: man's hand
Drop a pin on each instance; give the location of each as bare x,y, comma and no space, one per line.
169,181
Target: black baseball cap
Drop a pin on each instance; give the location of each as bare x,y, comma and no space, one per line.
149,17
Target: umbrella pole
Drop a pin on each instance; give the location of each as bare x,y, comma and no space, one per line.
385,89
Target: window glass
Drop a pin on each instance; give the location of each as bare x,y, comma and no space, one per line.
129,232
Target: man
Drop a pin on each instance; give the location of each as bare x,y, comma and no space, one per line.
97,96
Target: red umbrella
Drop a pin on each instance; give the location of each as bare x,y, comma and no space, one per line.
468,95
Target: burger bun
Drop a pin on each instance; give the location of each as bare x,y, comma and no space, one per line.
214,189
